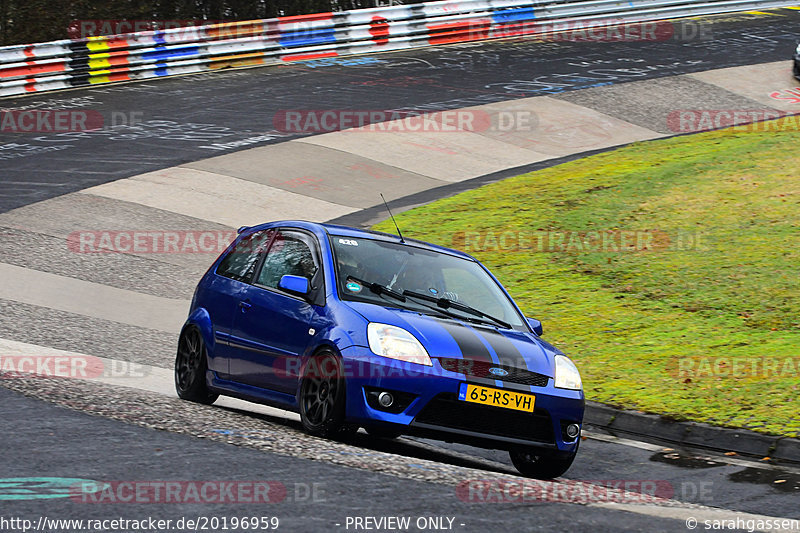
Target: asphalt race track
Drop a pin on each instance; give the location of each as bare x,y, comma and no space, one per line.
127,308
340,492
186,119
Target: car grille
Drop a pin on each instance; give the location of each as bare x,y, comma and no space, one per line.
447,411
480,369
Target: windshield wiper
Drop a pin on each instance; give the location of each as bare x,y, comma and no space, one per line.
442,304
443,313
377,288
446,303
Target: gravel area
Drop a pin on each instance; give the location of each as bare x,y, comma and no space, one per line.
649,103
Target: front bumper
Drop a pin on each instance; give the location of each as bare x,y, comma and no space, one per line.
428,405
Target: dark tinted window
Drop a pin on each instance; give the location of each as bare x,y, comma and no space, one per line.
241,262
290,253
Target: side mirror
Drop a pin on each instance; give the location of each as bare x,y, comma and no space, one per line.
295,284
535,325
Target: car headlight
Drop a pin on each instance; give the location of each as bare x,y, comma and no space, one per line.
567,375
396,343
797,50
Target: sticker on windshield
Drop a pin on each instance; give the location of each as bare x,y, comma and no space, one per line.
353,286
348,242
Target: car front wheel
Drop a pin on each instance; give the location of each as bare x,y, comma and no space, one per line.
539,465
322,396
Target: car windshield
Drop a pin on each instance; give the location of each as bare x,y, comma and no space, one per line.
406,269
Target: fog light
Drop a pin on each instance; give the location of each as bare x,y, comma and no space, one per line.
573,430
385,399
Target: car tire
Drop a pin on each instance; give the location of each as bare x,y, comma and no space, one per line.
534,464
322,396
191,364
383,433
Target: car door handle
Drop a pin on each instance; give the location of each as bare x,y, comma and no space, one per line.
245,305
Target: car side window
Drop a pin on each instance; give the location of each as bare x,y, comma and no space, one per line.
290,253
240,263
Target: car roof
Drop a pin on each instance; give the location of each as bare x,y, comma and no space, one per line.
347,231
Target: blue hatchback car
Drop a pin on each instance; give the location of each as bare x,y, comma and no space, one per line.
353,328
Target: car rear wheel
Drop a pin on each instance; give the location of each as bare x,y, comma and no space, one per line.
322,396
190,368
535,464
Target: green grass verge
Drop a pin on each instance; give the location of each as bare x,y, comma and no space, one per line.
702,325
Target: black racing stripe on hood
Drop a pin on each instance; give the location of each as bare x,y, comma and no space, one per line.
507,353
468,342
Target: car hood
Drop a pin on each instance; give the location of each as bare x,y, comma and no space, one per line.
446,337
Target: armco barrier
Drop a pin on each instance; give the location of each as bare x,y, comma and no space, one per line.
134,56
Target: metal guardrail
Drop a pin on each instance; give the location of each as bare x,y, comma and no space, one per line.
150,54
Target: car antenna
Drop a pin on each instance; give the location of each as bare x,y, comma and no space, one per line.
393,220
